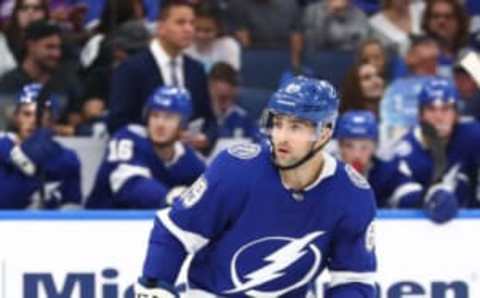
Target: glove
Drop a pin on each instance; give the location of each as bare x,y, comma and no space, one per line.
440,203
174,193
153,289
35,152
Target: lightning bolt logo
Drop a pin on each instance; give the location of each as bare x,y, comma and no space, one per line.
278,261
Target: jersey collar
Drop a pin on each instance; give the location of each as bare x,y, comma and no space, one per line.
329,168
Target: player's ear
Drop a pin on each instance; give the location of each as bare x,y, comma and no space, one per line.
325,134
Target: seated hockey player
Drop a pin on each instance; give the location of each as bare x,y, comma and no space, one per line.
36,171
266,221
357,136
143,163
441,153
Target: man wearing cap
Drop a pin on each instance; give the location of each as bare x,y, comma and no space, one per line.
41,63
143,163
441,154
467,79
30,159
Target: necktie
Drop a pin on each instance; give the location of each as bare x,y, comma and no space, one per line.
173,72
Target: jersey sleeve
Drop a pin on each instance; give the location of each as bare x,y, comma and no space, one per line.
201,213
407,193
187,168
130,178
352,263
6,146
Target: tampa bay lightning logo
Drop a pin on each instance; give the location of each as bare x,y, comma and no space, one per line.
270,279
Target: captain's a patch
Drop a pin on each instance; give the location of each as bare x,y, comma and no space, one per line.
357,179
245,151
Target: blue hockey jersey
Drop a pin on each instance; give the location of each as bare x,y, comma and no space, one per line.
62,180
393,187
237,124
133,176
463,160
251,236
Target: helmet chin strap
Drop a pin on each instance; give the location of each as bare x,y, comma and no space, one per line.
313,151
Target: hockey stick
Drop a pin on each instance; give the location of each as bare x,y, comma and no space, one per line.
438,148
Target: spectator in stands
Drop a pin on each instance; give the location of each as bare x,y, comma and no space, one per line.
397,20
41,64
143,163
24,13
130,38
372,51
441,154
271,24
232,120
362,89
422,57
210,44
8,61
98,49
448,23
163,63
30,160
468,89
333,25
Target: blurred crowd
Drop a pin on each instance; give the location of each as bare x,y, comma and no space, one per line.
100,63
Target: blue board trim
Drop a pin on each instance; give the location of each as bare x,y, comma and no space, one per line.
149,215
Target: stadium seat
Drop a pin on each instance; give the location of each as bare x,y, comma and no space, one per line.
263,68
253,100
330,65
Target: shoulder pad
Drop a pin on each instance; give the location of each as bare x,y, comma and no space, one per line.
138,130
245,151
8,135
357,179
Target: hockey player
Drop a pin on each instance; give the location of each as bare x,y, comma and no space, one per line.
142,164
31,159
265,222
441,154
357,135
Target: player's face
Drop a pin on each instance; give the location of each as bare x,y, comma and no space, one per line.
25,117
177,28
163,127
441,117
357,152
292,139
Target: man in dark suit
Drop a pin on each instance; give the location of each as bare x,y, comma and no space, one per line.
163,63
